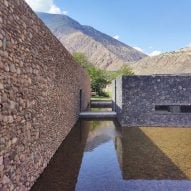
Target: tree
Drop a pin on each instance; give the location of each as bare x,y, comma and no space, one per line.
99,78
124,71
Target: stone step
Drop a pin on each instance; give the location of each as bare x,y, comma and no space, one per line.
101,104
98,115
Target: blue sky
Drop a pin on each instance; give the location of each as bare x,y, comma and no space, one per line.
152,25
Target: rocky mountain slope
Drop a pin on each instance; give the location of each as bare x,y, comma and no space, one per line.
177,62
101,49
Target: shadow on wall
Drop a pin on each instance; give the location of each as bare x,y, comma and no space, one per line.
117,98
65,164
154,153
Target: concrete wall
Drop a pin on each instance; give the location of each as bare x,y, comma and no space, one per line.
39,95
117,97
141,94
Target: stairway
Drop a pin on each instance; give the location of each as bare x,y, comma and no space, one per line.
91,115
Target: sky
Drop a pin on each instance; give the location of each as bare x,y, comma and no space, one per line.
151,26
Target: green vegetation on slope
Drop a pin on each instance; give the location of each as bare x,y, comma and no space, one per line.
100,78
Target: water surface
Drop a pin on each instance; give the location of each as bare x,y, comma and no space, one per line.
100,156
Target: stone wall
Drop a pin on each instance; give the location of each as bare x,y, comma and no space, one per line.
39,95
154,100
117,97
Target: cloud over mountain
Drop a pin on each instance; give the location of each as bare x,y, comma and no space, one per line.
47,6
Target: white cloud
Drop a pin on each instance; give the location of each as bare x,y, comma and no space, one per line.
47,6
55,10
138,48
65,12
189,45
40,5
116,37
155,53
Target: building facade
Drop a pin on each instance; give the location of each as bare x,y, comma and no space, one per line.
159,100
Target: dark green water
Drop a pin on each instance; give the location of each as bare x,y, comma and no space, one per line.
100,156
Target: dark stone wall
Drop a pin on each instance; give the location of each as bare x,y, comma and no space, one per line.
140,95
39,95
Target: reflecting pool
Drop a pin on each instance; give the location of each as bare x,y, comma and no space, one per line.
101,156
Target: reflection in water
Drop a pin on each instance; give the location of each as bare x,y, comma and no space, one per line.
100,132
155,153
62,171
120,159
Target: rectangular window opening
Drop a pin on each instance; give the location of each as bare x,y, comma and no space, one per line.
185,108
162,108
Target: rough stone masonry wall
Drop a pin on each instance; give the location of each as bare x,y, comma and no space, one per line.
140,95
39,95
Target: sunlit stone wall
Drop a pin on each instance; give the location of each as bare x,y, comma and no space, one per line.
39,95
154,100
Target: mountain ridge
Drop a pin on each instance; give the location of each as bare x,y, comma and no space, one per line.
102,50
176,62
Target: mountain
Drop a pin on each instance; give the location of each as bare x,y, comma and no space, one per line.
177,62
100,134
101,49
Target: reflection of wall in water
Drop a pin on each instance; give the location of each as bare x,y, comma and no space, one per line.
63,169
159,153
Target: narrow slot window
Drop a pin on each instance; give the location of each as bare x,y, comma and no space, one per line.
185,109
162,108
